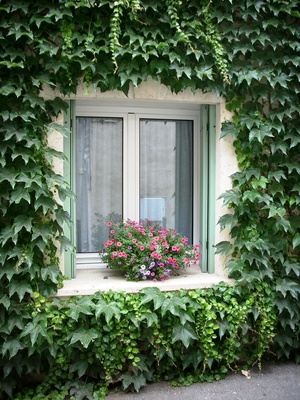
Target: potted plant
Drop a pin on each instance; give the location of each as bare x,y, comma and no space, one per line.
143,251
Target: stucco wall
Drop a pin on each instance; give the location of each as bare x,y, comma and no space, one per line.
154,91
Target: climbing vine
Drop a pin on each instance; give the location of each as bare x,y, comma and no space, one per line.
245,50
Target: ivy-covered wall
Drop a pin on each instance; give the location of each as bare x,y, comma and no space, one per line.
246,50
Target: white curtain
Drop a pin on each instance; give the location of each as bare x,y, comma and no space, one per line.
166,173
98,179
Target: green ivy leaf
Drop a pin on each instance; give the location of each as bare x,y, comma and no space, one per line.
193,357
109,310
260,133
35,330
150,317
286,285
296,240
51,272
174,305
5,301
277,175
293,266
12,346
184,333
152,294
227,220
223,248
84,336
22,221
19,287
80,367
137,380
81,306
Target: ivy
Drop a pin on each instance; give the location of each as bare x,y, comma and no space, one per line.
135,338
247,51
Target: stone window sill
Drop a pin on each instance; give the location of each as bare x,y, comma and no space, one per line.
90,281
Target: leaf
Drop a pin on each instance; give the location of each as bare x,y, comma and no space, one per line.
261,182
109,310
8,233
184,333
255,196
84,336
82,306
46,203
22,221
19,194
34,330
51,272
230,196
184,317
12,346
275,211
193,357
296,240
137,380
277,175
174,305
152,294
19,287
228,128
150,317
223,327
227,220
223,248
5,301
285,286
260,133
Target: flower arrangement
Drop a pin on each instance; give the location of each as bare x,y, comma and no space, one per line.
146,252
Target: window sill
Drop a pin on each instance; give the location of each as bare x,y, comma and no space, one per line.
90,281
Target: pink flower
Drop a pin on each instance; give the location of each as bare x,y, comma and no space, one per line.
175,248
119,244
186,260
129,234
112,231
109,223
134,240
142,248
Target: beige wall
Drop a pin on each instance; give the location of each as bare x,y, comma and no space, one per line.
154,91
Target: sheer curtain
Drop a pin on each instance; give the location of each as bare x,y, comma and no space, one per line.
99,179
166,173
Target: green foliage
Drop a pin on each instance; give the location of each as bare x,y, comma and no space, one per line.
149,336
248,51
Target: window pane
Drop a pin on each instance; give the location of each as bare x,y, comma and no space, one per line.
98,179
166,173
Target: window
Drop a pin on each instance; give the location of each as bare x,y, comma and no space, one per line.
137,162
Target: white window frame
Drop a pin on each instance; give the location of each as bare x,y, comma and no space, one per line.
131,116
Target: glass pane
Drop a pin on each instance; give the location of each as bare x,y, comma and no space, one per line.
98,179
166,173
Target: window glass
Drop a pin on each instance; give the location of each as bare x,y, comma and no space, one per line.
166,173
99,179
